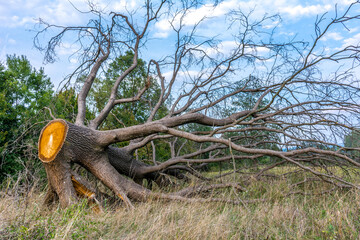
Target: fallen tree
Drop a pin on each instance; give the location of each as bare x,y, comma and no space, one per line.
289,112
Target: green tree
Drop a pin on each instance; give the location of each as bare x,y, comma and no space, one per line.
130,113
352,140
24,91
65,104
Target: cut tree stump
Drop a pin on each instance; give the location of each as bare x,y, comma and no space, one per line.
51,139
61,143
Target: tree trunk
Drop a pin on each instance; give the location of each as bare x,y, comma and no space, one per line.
127,165
62,143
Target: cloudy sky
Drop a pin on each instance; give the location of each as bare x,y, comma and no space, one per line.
18,24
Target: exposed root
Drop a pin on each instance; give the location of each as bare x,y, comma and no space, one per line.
83,190
50,197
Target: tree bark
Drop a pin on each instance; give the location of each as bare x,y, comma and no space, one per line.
126,164
79,146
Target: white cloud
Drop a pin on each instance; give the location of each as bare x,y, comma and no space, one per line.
161,34
20,13
224,47
60,12
14,21
168,75
12,41
290,34
67,49
340,3
354,41
272,25
122,5
289,9
73,60
181,75
195,15
353,30
262,49
299,10
332,36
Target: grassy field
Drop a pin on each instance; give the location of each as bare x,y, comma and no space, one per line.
331,215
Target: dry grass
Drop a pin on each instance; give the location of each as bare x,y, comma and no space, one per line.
334,215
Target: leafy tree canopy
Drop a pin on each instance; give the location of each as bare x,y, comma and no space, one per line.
24,91
127,114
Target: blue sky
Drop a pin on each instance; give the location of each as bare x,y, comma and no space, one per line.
18,19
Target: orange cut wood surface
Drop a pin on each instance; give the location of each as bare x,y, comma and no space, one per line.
81,189
51,140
